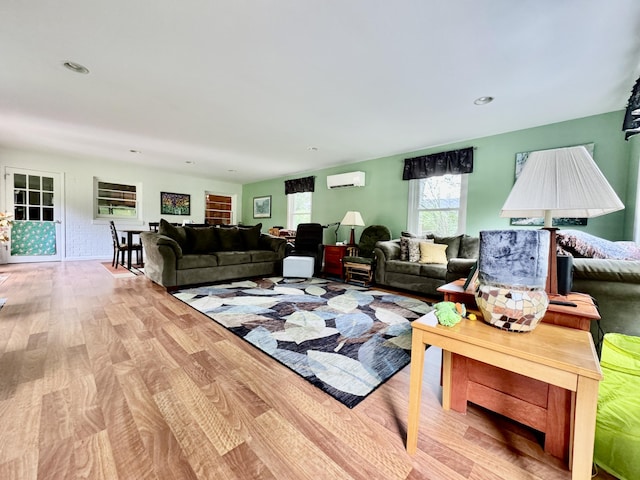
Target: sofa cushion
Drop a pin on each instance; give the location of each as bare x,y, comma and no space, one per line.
197,261
230,239
233,258
452,243
361,260
469,247
250,236
202,240
433,253
263,256
433,270
399,266
177,233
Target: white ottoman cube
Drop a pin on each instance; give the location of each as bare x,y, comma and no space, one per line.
300,267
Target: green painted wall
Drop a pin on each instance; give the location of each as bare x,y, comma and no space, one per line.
384,199
633,185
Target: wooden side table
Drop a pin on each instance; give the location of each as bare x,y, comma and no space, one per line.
562,357
579,317
333,255
544,407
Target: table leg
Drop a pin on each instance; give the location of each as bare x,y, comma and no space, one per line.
415,390
129,249
446,380
584,427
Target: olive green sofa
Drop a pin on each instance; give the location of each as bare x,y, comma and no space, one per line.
182,256
610,273
395,269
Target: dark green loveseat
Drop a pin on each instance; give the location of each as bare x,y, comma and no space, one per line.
180,256
610,273
393,270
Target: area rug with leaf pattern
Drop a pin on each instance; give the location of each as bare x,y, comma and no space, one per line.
345,339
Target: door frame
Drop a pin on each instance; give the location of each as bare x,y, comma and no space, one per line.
59,209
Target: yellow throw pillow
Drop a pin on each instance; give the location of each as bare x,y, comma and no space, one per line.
433,253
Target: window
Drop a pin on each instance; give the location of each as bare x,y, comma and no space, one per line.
298,209
33,197
438,204
218,209
116,200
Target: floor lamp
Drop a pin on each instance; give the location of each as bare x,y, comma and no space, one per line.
562,182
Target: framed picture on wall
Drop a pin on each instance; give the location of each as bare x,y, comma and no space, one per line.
521,159
175,203
262,207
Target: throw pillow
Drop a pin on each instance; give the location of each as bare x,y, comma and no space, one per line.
404,248
453,245
250,236
202,240
469,247
230,239
433,253
414,249
177,233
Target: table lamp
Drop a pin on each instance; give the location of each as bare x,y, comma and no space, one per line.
561,182
352,219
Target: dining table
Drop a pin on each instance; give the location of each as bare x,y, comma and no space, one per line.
131,232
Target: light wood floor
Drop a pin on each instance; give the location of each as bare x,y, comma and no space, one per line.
104,377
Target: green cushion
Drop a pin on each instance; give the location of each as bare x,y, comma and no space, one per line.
202,240
453,245
250,236
230,239
177,233
469,247
362,260
369,237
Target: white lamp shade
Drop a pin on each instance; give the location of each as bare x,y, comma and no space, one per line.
563,182
352,219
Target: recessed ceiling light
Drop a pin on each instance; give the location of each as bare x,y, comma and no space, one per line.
135,151
190,162
312,149
231,170
76,67
482,100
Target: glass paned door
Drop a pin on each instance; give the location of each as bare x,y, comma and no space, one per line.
33,197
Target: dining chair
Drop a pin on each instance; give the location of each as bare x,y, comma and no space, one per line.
120,247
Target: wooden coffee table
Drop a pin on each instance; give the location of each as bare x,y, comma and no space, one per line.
559,356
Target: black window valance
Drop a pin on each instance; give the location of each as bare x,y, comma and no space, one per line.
454,162
631,124
299,185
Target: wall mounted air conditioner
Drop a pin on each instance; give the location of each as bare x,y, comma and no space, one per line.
342,180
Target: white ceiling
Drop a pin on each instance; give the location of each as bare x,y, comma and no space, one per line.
243,88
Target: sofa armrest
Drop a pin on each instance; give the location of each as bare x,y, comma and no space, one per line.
387,250
152,240
459,268
161,258
276,244
382,252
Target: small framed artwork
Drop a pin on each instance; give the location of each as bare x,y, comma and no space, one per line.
262,207
175,203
